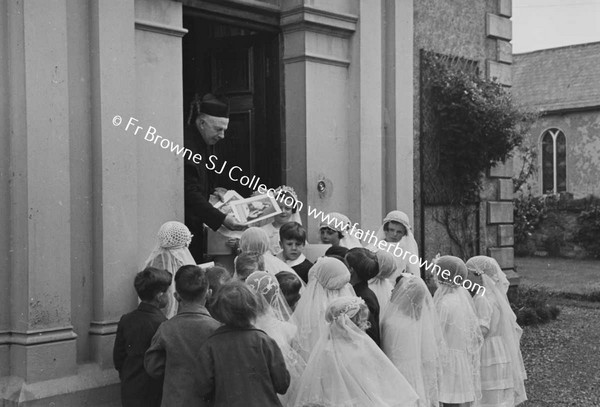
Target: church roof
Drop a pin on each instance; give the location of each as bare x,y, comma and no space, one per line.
558,78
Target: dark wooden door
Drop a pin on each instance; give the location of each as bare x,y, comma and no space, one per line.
241,65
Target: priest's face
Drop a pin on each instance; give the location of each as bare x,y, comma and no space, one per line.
212,128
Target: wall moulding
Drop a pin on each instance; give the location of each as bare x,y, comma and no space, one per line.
103,327
321,21
158,28
319,59
37,336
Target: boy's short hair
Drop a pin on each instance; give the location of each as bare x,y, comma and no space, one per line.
336,251
151,281
364,262
217,276
235,305
292,231
247,263
290,286
191,283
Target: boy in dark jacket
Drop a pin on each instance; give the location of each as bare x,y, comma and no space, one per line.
173,353
134,334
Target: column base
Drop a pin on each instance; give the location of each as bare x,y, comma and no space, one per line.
91,386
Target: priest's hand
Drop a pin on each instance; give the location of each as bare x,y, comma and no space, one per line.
232,223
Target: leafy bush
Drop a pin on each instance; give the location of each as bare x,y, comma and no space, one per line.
532,308
477,123
529,211
588,234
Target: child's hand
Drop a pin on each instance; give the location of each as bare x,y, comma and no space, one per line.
233,243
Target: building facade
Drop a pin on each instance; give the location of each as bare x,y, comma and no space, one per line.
325,98
562,84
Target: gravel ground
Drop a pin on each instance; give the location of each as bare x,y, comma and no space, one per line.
562,358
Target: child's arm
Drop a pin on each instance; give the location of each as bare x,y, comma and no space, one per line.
119,348
279,373
155,358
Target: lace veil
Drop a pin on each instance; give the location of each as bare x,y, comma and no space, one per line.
170,253
460,327
328,279
347,368
412,337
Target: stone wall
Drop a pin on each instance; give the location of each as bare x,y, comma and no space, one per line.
481,32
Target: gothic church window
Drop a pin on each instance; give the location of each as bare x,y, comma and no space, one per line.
554,162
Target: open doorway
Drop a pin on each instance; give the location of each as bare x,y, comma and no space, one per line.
242,64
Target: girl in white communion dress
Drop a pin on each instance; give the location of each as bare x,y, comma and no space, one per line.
411,337
347,369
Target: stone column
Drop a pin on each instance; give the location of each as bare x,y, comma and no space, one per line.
41,338
398,108
499,211
316,36
114,171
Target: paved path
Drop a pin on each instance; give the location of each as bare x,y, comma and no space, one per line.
562,358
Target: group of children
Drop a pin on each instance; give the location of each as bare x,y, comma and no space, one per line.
356,328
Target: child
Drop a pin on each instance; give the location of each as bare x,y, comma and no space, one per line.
411,337
256,241
328,279
501,361
347,369
290,286
134,334
240,365
339,251
396,230
382,284
460,378
288,202
292,240
363,267
170,253
246,264
173,353
273,318
217,276
335,231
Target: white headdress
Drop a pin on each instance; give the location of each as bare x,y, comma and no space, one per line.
407,243
170,253
346,368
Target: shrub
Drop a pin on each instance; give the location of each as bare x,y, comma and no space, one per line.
529,211
588,234
532,308
477,124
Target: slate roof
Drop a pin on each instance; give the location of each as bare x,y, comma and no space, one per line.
558,78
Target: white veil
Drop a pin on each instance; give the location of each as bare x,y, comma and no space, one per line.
347,368
509,330
256,240
274,320
328,279
170,253
461,380
382,284
407,243
412,338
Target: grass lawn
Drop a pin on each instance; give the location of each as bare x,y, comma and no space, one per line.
570,276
